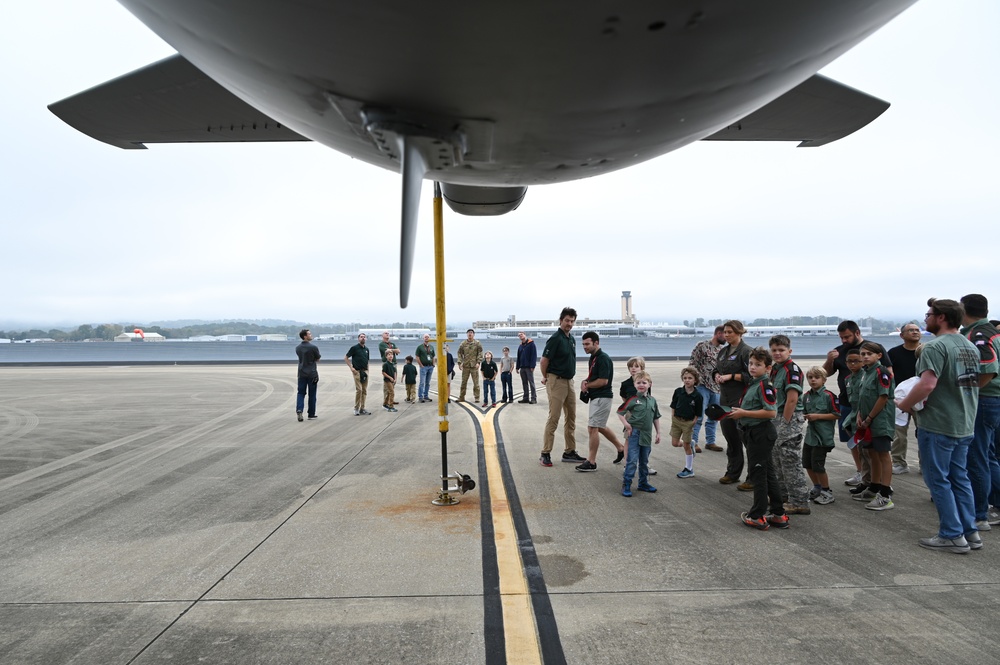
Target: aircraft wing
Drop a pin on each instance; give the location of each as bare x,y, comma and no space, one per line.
816,112
170,101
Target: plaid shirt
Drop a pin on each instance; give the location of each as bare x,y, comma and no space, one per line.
703,359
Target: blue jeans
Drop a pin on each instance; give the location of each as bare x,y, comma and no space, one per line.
508,386
981,457
707,397
300,398
425,382
636,455
995,469
489,386
845,413
942,463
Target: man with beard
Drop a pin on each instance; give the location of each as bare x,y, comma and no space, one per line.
948,368
357,360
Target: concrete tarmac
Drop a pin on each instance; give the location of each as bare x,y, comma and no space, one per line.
182,514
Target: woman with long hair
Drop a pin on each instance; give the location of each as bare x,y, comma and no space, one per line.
732,374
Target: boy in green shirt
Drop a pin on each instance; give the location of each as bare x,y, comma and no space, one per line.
410,380
755,419
787,378
389,381
875,423
640,416
862,462
821,410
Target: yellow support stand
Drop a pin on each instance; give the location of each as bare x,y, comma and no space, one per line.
444,497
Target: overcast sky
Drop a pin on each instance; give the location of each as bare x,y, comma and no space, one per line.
871,225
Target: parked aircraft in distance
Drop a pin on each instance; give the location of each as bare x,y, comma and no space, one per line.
485,98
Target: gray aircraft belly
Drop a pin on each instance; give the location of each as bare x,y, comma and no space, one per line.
540,92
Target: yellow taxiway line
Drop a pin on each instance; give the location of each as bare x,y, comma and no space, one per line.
520,631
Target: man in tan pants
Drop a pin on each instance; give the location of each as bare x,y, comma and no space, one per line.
558,366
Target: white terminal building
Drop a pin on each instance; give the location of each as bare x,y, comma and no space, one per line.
630,326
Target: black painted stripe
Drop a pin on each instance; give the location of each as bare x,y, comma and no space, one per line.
545,620
493,627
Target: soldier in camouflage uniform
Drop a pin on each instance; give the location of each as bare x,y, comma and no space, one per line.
470,355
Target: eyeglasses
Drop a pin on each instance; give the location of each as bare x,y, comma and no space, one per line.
929,315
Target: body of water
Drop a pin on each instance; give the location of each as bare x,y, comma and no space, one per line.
140,353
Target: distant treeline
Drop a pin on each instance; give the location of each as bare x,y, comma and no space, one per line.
108,331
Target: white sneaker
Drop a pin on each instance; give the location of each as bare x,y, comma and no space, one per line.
982,525
898,470
975,542
825,497
880,503
854,480
958,545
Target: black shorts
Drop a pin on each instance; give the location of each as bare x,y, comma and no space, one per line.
881,444
814,458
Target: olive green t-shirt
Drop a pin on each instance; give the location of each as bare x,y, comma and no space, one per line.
787,376
820,432
760,394
951,407
640,411
876,381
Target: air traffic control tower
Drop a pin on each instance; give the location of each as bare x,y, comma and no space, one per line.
627,314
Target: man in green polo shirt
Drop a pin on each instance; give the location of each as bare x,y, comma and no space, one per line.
357,360
558,366
982,452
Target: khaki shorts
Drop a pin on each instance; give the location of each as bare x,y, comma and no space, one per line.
681,429
600,409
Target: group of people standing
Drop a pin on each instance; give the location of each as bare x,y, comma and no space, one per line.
476,363
949,386
472,361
